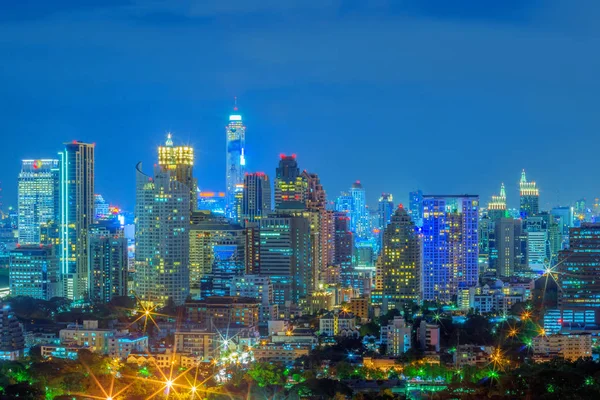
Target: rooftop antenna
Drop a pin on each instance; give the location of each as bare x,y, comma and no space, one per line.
235,107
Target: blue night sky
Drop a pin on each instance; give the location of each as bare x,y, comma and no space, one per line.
447,96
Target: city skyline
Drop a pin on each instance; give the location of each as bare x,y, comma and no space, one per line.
528,91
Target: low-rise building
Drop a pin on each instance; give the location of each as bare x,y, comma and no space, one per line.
163,359
472,355
222,312
12,342
196,342
359,306
335,322
500,297
429,336
284,354
396,336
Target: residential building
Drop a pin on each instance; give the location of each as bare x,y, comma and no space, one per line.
337,323
569,347
108,262
223,312
396,336
12,342
290,185
34,272
256,203
429,336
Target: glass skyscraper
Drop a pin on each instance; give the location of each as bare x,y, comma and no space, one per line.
235,133
39,183
359,215
416,207
450,245
76,215
256,203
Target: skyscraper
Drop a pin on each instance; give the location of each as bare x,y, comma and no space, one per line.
578,269
416,207
256,203
529,197
510,258
385,210
344,247
39,198
179,161
401,262
290,185
497,207
285,257
107,261
359,215
162,238
450,244
538,246
101,207
76,215
235,167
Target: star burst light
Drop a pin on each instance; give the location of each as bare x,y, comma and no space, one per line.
147,313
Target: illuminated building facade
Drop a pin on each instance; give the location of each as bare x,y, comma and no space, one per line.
216,256
101,207
286,257
497,207
416,207
401,258
212,201
235,134
108,261
39,198
34,272
529,197
256,203
578,269
538,249
179,161
508,243
359,215
76,215
162,238
343,247
290,185
12,342
450,245
385,210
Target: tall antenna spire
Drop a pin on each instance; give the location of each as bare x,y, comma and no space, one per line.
523,178
502,190
235,107
169,142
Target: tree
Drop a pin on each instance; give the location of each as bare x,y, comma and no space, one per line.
266,374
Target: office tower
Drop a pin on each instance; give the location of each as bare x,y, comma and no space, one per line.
108,261
497,207
416,207
578,269
217,255
450,245
101,207
343,247
538,249
34,272
359,217
401,258
76,215
252,251
486,243
343,203
12,342
529,197
285,257
212,201
385,210
235,167
179,162
508,234
290,185
39,198
162,238
256,203
564,217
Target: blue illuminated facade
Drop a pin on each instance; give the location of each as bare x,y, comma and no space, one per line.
235,133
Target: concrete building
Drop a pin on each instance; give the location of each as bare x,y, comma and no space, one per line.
396,336
570,347
472,355
12,341
201,344
429,336
283,354
359,306
223,312
336,322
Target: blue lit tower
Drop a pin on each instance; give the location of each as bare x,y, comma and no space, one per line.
76,215
416,207
359,216
235,167
450,245
385,210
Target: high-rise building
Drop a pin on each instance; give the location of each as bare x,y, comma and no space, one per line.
401,262
538,249
486,244
450,245
578,269
162,238
212,201
343,203
286,257
256,203
497,207
529,197
101,207
416,207
108,261
216,255
34,272
385,210
343,247
359,216
76,215
12,342
235,167
290,185
179,161
39,203
508,244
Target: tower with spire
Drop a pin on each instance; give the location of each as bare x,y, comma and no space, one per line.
497,207
179,160
529,197
235,164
